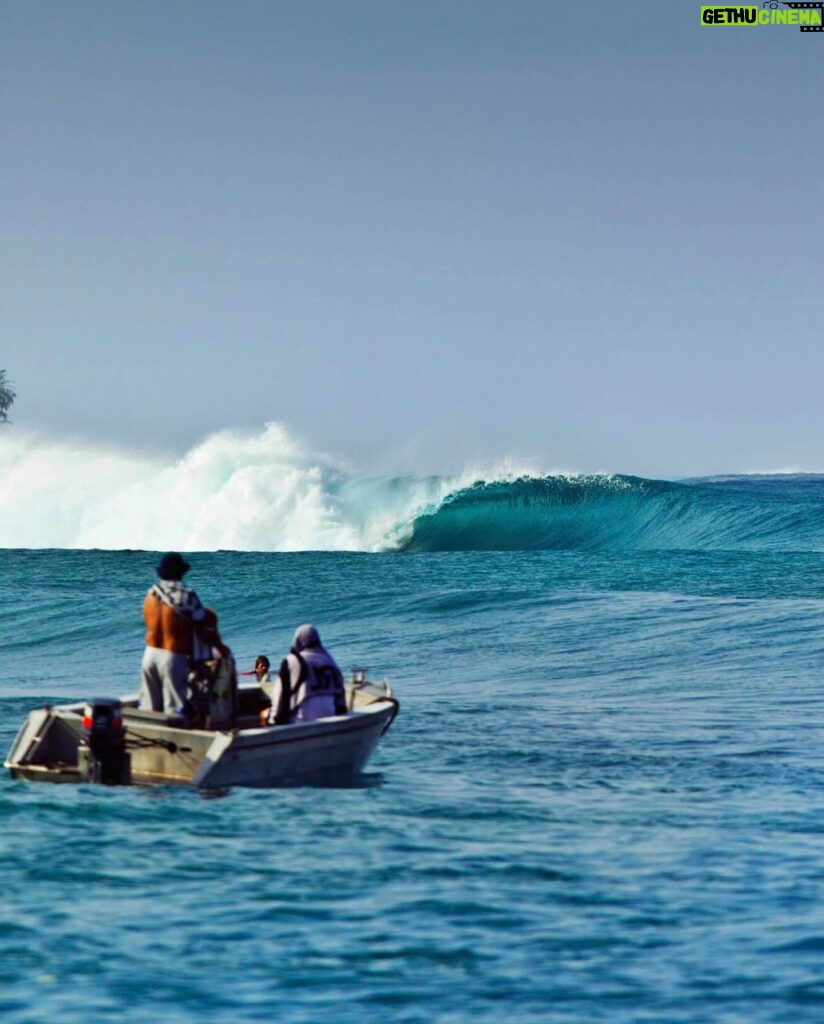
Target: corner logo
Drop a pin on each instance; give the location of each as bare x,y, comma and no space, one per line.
808,16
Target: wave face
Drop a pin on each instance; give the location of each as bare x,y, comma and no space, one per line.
267,492
619,513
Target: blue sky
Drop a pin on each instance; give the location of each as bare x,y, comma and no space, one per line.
419,234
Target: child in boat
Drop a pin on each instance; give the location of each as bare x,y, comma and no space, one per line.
261,669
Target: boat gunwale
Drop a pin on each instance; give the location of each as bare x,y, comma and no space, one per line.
352,721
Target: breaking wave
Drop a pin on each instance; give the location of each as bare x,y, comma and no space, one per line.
267,492
233,491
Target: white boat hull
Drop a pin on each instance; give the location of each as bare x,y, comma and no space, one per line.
49,747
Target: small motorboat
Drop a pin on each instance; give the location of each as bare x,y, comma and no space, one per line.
116,742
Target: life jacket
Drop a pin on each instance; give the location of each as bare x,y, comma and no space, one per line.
316,687
166,628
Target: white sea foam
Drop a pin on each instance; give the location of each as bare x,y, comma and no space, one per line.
253,492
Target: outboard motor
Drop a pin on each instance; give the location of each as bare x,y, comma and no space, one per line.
104,748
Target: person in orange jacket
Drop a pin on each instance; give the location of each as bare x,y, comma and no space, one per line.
174,618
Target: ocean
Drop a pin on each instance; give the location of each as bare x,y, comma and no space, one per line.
601,800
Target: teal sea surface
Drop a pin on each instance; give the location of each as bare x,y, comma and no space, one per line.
603,798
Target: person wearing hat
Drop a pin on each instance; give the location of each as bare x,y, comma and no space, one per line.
174,618
309,684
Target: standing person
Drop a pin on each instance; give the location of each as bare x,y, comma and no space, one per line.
212,686
174,616
309,684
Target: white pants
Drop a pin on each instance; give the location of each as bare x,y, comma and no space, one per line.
163,680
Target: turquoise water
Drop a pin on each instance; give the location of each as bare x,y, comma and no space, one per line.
602,799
